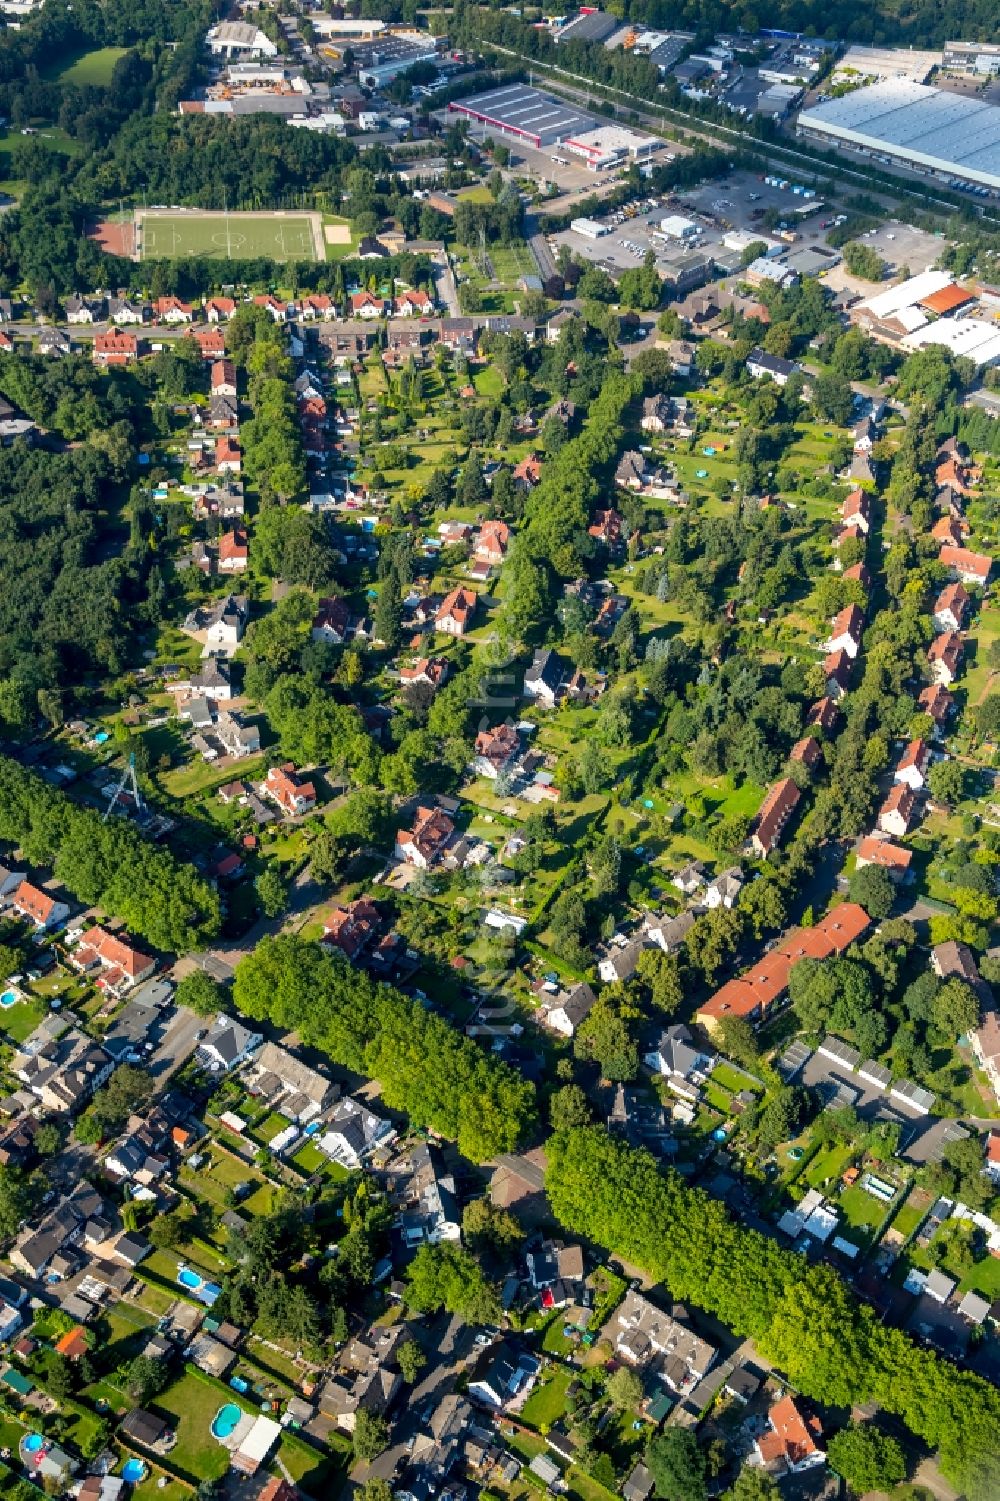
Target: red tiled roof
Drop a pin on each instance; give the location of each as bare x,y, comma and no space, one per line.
947,300
966,562
883,852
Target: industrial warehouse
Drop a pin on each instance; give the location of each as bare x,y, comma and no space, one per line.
954,137
528,115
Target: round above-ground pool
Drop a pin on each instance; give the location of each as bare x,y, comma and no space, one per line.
10,997
134,1470
32,1442
225,1420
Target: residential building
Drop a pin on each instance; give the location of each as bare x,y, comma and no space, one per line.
911,768
992,1164
354,1134
896,813
234,551
659,1344
950,608
427,671
492,543
367,1379
425,843
775,811
806,752
944,657
874,850
431,1211
985,1042
723,889
937,702
456,612
227,1044
121,964
755,993
656,414
497,750
505,1379
845,632
289,1085
764,366
223,378
332,621
969,567
680,1061
284,787
563,1011
790,1444
354,927
115,347
36,906
545,677
621,960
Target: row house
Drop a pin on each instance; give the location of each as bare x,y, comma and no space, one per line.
837,672
911,769
120,963
944,657
754,994
968,567
877,849
845,632
659,1344
775,811
62,1070
950,608
38,907
937,703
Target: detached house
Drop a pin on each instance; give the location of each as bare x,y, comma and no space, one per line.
937,702
492,543
432,671
944,657
775,811
354,927
656,414
331,621
355,1134
425,843
227,1044
912,766
764,366
116,347
896,813
172,310
283,786
228,455
790,1444
544,678
456,612
367,305
680,1061
563,1011
234,551
219,309
223,378
496,750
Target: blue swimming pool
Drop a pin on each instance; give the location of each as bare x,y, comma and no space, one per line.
134,1471
313,1127
205,1292
189,1279
225,1420
32,1443
10,998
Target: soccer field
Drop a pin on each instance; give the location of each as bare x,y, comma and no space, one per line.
279,237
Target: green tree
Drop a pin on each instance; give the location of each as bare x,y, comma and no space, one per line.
872,888
946,780
412,1360
487,1226
569,1108
955,1008
272,893
866,1458
449,1277
752,1484
199,993
677,1465
144,1378
624,1388
371,1434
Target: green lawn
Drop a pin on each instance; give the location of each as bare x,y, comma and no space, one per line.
862,1211
93,69
547,1402
19,1021
278,237
189,1405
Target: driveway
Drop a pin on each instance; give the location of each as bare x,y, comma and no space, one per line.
177,1046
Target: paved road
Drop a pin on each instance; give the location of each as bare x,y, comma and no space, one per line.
538,245
177,1046
446,290
221,960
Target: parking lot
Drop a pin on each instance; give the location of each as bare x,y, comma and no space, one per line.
737,202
